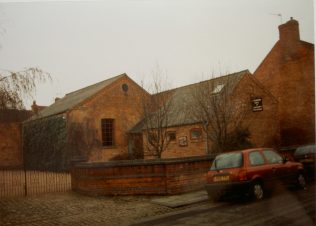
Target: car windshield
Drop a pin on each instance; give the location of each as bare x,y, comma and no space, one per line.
227,160
305,150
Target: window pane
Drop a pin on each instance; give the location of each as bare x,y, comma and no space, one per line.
107,132
229,160
255,158
196,134
272,156
171,136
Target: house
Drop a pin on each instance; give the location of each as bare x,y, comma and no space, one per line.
185,133
90,123
288,72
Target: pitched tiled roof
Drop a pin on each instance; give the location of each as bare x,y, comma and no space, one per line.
182,97
72,99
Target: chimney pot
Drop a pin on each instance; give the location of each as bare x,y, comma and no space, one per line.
35,107
289,33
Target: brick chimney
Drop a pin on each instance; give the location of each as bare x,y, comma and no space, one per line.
35,107
289,35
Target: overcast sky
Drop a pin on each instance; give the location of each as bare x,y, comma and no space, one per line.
80,43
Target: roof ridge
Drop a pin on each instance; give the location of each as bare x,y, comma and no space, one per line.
89,86
215,78
74,98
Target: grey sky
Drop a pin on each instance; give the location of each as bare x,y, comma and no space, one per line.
81,43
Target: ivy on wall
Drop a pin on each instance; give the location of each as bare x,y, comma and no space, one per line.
44,144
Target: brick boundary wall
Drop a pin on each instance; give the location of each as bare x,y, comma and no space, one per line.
141,177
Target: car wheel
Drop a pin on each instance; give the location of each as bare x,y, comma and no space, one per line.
301,182
257,191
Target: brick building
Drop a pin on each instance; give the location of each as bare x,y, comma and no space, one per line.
185,130
104,120
288,72
90,123
11,154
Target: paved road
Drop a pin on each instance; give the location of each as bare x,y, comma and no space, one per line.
283,208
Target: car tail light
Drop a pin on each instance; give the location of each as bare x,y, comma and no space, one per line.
242,175
209,177
310,155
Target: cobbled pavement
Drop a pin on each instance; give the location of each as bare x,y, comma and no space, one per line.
75,209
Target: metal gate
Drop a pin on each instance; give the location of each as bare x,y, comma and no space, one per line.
14,183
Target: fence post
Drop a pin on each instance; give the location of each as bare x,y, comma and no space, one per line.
25,182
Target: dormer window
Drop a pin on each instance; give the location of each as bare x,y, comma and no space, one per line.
218,88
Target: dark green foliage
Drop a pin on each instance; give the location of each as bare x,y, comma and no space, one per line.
238,139
82,138
137,154
44,146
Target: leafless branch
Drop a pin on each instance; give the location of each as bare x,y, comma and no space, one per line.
16,86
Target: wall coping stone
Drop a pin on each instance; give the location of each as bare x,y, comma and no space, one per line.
143,162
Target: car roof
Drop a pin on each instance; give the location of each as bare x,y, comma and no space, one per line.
244,151
248,150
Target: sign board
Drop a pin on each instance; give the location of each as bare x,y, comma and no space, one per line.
183,141
257,104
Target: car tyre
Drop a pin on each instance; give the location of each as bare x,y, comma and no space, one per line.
257,192
301,181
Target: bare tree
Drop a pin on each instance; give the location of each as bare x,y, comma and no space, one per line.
212,103
156,110
16,86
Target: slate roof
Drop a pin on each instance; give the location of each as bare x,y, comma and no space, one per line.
182,97
72,99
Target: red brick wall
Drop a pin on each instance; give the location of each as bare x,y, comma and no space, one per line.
141,177
288,72
175,150
263,125
112,103
10,145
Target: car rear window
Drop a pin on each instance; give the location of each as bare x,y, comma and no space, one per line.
227,160
305,150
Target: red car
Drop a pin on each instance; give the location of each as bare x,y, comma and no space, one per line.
251,172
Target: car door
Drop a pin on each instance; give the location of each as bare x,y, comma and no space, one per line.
258,168
276,165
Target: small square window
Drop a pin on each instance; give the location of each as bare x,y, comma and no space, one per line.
171,136
196,134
